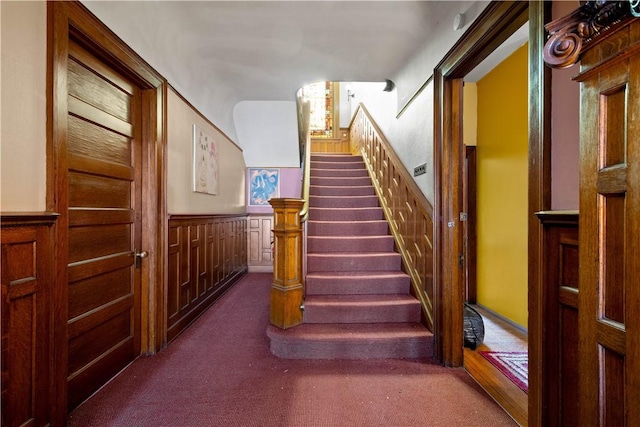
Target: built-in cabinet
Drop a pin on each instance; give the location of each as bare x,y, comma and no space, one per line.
27,285
207,254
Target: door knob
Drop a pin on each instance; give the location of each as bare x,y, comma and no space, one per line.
140,256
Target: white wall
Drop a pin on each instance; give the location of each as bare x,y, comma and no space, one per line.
181,199
411,133
268,133
23,34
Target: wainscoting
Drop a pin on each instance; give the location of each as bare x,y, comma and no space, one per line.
331,145
27,294
409,213
207,254
260,243
560,376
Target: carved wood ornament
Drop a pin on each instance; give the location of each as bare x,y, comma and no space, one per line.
571,35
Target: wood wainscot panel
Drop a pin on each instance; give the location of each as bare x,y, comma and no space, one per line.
260,243
560,329
329,145
409,213
207,254
27,282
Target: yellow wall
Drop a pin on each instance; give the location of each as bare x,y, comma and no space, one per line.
502,188
470,114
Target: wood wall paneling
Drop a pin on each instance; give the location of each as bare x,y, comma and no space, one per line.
27,272
560,375
260,243
409,213
207,254
329,145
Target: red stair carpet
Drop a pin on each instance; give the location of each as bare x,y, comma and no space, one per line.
220,373
357,304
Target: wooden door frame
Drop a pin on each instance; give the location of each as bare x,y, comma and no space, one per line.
496,23
470,200
72,19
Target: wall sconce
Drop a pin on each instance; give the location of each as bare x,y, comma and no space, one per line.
350,93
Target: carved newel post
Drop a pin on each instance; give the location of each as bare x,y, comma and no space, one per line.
287,289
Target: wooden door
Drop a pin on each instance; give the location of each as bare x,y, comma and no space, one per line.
104,217
609,300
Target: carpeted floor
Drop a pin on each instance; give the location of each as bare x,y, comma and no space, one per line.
220,372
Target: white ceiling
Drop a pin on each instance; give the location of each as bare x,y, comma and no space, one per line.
219,53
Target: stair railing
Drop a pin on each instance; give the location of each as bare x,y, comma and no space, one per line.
407,210
290,216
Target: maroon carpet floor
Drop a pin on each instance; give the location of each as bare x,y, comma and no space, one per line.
220,372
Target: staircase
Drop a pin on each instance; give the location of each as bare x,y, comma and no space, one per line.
357,304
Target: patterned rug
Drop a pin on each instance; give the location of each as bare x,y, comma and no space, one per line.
513,364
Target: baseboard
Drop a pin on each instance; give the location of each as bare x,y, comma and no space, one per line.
502,318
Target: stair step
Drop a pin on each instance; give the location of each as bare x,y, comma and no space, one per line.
347,228
339,173
361,309
338,261
343,202
350,244
346,214
341,190
347,181
352,341
357,282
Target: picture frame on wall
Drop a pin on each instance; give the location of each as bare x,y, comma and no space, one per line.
264,184
205,162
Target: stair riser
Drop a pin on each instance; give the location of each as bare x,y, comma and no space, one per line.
315,190
362,244
356,228
417,348
335,158
356,286
343,202
341,181
319,313
337,165
318,262
346,214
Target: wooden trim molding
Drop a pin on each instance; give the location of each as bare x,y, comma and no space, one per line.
409,213
207,254
574,34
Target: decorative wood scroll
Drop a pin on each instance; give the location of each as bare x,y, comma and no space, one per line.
571,35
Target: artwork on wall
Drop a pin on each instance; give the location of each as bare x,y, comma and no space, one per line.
263,185
205,162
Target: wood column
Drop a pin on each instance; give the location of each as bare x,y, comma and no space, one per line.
287,290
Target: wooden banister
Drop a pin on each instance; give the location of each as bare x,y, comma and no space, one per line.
409,213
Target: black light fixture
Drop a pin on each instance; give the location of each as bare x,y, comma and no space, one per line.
389,85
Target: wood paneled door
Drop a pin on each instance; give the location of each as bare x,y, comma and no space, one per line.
610,231
104,222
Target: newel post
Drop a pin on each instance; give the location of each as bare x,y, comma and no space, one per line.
287,288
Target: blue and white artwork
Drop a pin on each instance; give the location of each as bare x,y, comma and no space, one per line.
263,185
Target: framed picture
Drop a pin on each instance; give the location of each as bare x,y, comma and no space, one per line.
205,162
263,185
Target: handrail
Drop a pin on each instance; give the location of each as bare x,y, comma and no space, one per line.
306,177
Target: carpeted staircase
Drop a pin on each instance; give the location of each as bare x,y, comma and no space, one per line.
357,304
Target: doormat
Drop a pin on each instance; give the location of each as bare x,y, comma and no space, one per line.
513,364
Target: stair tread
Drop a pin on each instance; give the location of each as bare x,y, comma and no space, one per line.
363,299
354,331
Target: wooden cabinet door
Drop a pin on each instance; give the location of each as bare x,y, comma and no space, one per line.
609,300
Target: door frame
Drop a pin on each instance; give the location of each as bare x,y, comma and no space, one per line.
470,184
67,20
496,23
